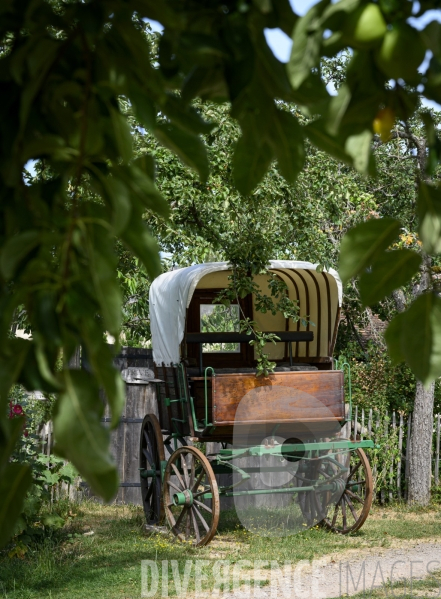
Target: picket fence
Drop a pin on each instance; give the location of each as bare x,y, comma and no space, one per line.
390,460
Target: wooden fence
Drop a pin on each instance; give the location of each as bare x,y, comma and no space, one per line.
390,462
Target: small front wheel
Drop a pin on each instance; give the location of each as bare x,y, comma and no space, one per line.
191,496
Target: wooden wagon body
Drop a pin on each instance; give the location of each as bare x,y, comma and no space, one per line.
208,390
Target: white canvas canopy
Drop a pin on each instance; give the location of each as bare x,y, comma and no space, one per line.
319,295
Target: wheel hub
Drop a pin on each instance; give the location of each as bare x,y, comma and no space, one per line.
183,498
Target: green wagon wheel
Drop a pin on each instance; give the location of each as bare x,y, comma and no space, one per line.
151,454
188,478
350,512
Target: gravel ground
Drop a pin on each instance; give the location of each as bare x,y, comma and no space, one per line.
343,575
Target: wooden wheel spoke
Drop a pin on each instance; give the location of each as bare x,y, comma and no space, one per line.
150,460
202,505
201,518
199,493
354,470
180,517
185,471
356,482
188,525
175,487
192,474
343,511
157,488
198,480
178,475
354,496
196,528
334,519
149,492
351,507
150,447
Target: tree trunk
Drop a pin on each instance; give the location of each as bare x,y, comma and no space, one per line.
420,458
420,462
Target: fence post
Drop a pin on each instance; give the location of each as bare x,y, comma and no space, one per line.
370,423
355,422
400,452
385,432
437,450
391,467
362,424
377,426
409,426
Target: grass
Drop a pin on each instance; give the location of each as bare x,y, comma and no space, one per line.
75,565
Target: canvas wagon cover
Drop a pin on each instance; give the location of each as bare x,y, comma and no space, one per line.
171,293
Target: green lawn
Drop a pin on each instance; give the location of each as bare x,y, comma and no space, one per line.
107,563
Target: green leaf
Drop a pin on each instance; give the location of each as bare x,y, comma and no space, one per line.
44,367
265,6
429,215
121,131
146,163
138,239
337,108
187,146
390,271
53,521
287,143
107,289
363,243
415,335
305,54
393,338
327,143
184,116
141,185
100,357
282,16
358,146
431,35
15,481
15,250
250,163
10,431
12,359
119,197
80,436
143,107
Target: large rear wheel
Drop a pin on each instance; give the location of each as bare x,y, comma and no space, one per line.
350,512
151,454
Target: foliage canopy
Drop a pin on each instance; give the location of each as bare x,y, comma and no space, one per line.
73,72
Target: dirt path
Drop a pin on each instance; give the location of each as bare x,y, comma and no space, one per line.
341,575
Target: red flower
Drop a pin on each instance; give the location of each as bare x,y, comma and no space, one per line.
17,409
25,433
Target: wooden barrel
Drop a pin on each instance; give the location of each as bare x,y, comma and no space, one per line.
136,366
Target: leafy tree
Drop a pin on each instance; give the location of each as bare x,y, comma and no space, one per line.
64,67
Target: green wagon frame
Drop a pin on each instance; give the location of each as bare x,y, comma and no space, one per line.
287,424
